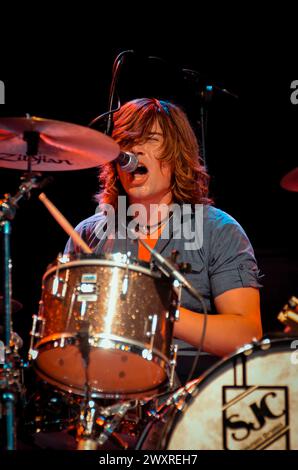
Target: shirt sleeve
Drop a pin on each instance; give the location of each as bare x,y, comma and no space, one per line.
92,231
232,262
70,247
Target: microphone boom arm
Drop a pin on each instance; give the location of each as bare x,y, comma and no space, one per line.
168,268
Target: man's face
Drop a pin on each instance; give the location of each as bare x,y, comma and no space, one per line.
151,181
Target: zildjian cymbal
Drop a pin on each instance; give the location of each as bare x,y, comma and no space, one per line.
61,146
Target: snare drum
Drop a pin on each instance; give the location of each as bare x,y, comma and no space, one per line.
248,401
127,312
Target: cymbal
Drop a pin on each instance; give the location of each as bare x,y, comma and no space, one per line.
62,146
15,305
290,180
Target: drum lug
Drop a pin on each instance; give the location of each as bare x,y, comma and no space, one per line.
248,349
177,287
36,332
125,281
63,258
173,362
153,319
147,353
124,289
57,281
150,334
265,344
38,326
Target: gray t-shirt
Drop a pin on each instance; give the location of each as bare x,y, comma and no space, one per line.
222,258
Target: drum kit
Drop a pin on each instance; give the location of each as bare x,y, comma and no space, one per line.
102,355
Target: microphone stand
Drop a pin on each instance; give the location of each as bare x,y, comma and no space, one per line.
205,91
115,74
168,268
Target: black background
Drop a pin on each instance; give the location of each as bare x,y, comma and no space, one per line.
251,141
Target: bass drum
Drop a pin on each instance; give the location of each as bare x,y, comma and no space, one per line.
248,401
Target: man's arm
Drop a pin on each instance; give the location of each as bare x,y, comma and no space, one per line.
238,322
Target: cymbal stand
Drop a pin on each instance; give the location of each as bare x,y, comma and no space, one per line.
91,413
108,418
117,412
9,374
85,430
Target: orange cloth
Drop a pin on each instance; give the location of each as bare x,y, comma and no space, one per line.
143,253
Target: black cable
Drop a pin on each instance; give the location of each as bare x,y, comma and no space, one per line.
101,116
115,74
199,350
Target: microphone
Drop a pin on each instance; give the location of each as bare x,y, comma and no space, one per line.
128,161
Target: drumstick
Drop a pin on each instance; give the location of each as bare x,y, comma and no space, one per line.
63,222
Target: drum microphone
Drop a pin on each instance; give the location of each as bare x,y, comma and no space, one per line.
127,161
169,269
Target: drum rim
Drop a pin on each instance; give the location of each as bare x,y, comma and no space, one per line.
103,260
71,339
85,256
136,347
247,349
142,396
